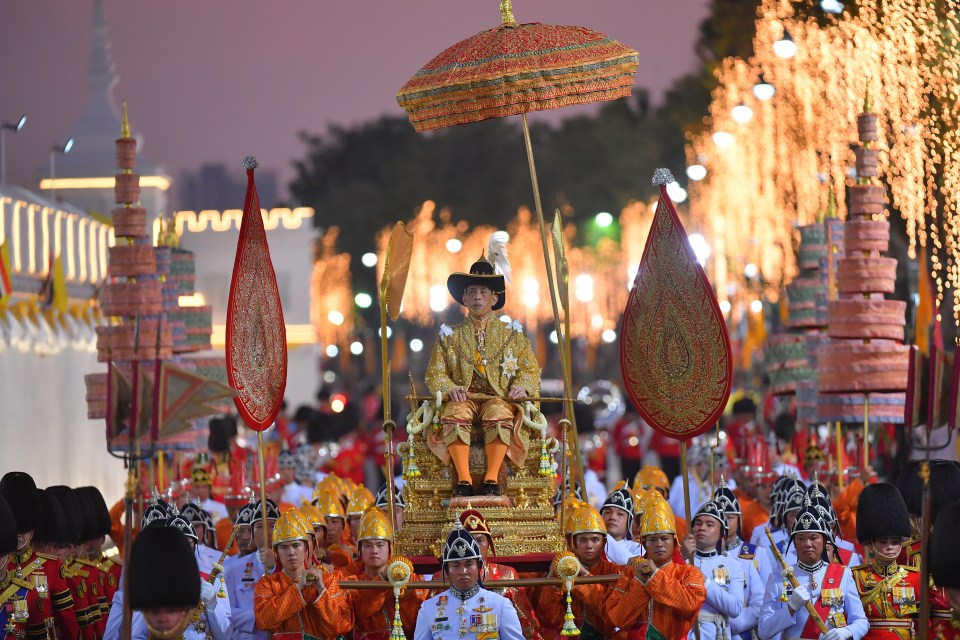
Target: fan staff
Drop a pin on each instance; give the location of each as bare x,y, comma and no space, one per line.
661,596
466,609
373,611
587,538
299,599
481,356
828,587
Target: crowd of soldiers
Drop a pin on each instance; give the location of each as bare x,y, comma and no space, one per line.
296,570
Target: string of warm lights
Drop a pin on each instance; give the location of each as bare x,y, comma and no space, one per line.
780,126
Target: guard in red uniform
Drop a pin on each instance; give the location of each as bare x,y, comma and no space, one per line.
945,571
44,572
890,592
23,614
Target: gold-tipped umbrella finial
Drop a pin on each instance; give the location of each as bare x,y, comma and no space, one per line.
506,12
125,123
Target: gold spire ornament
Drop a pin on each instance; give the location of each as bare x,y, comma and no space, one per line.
506,13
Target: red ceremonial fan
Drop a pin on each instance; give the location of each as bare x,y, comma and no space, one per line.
675,354
256,346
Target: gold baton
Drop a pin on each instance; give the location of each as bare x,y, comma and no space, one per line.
218,567
787,571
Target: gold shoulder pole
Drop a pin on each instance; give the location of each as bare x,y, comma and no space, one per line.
389,426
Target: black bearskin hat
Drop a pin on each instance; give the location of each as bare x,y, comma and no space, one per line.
944,485
163,570
944,559
8,529
93,495
20,492
73,510
881,513
911,487
52,526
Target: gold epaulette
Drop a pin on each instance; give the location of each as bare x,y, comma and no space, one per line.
861,567
909,568
77,571
87,563
46,556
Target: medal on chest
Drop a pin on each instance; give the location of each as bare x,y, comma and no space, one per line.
510,365
721,575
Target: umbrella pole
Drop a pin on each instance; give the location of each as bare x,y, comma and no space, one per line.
263,489
389,426
564,362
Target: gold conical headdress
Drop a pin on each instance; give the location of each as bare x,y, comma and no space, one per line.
291,526
658,517
651,477
329,506
360,499
374,525
586,519
312,515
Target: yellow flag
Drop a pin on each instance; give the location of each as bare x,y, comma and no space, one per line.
6,287
59,286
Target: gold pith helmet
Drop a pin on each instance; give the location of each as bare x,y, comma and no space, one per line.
360,499
571,505
586,519
290,527
374,525
330,484
330,507
658,518
651,477
313,516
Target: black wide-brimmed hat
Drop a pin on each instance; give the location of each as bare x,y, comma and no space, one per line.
163,570
482,274
20,492
881,513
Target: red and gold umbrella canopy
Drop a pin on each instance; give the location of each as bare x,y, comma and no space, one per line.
516,68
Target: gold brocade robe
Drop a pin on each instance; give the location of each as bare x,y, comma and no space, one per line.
510,362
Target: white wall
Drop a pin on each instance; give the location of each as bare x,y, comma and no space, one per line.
44,429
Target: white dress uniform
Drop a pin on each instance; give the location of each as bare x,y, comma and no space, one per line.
755,570
242,576
216,509
620,551
296,494
790,557
846,609
758,535
474,614
724,580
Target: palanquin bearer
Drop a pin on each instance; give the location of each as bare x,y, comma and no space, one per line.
661,596
466,610
587,539
24,613
297,599
723,575
476,525
755,565
945,571
477,366
20,492
164,581
889,591
373,611
828,586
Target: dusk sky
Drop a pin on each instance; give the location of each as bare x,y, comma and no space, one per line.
214,80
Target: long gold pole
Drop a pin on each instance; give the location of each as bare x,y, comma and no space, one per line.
686,483
866,431
564,362
839,454
263,489
388,424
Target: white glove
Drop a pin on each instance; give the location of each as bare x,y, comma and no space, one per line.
837,634
799,598
208,593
